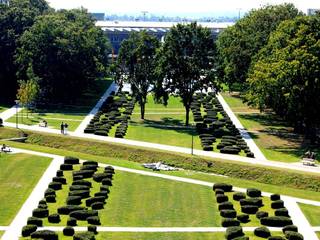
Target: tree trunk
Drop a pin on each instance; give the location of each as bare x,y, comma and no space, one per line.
187,115
142,109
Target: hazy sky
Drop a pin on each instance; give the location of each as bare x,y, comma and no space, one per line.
175,7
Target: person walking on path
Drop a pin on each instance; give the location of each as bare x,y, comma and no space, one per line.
62,128
66,128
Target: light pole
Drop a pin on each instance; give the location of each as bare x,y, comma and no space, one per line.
17,105
192,131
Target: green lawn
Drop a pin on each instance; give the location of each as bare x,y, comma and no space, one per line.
3,108
318,234
72,114
312,213
1,233
18,176
273,136
141,201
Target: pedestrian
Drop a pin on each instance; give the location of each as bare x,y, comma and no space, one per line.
66,128
62,128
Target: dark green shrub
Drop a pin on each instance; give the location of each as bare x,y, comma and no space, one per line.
281,212
237,196
227,213
243,218
253,192
54,218
277,204
229,222
55,185
45,235
249,209
221,198
109,169
98,177
81,193
40,213
250,154
49,191
44,206
230,150
66,167
107,182
51,198
82,182
275,197
83,214
35,221
104,189
84,173
68,231
73,200
225,205
97,205
219,191
262,214
84,236
290,235
28,229
71,160
71,221
241,238
61,180
89,167
94,163
262,232
66,210
59,173
79,187
276,238
92,200
291,228
77,177
94,220
276,221
92,229
234,232
102,194
224,186
251,201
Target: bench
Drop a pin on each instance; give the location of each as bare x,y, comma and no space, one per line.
308,162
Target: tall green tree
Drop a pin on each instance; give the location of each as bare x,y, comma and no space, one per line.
238,44
286,75
15,18
186,62
136,65
67,53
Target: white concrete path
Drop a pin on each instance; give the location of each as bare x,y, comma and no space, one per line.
4,228
245,135
85,122
9,113
14,230
299,219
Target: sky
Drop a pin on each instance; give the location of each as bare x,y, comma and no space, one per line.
176,7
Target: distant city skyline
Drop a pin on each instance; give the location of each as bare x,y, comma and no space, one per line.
186,8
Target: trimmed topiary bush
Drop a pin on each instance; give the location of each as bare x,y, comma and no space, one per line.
83,214
71,160
107,181
276,221
73,200
277,204
221,198
251,201
92,200
276,238
28,229
66,210
80,193
92,229
45,235
59,173
71,221
61,180
82,182
291,228
219,191
253,192
49,191
225,205
262,214
275,197
237,196
54,218
262,232
224,186
94,163
249,209
35,221
66,167
68,231
102,194
40,213
281,212
290,235
55,185
243,218
234,232
229,222
78,187
50,199
97,205
94,220
227,213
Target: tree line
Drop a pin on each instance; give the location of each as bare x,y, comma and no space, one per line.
271,56
48,56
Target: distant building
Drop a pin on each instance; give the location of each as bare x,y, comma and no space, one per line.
119,31
4,1
98,16
312,11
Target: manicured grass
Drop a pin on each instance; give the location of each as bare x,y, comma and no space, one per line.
312,213
162,236
72,114
143,201
18,176
3,108
1,233
273,136
318,234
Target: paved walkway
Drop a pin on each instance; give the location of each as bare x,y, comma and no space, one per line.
86,121
9,113
246,136
14,230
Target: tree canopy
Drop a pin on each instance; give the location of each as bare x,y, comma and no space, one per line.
186,62
286,75
238,44
136,65
66,52
15,18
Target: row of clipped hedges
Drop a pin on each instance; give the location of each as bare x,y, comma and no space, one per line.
231,169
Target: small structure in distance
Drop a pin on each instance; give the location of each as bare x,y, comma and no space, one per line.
159,166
